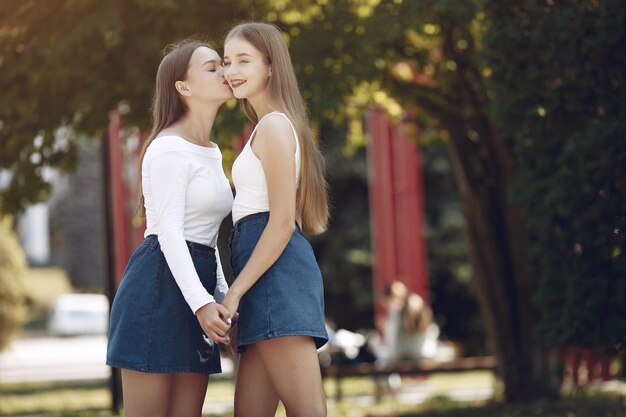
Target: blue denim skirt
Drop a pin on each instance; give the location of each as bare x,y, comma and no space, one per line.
288,299
152,328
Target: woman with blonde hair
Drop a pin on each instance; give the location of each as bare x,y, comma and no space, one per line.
280,190
164,319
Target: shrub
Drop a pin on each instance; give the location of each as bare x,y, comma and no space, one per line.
12,294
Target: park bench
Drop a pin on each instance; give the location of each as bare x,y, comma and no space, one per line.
405,367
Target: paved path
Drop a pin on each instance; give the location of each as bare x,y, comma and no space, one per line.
54,359
58,359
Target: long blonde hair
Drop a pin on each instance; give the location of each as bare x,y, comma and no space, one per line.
167,104
284,95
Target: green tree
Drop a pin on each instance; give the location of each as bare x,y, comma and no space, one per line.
560,105
64,65
423,60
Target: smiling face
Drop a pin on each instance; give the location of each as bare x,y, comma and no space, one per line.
205,78
247,69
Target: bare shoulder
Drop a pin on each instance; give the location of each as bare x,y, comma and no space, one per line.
275,130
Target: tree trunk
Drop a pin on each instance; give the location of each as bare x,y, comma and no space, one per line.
504,285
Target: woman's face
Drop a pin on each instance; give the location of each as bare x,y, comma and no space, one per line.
205,77
246,71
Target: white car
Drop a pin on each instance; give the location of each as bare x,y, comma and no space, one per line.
79,314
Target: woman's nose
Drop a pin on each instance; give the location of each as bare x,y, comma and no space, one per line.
229,70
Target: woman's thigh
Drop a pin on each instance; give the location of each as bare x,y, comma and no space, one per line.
187,395
146,394
162,395
254,391
294,370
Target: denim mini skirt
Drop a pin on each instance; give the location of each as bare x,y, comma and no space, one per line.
288,299
152,328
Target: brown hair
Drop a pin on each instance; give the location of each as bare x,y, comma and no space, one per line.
167,104
416,315
284,95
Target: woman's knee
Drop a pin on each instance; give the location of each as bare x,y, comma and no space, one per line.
319,411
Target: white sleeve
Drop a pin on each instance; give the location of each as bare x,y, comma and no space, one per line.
169,175
221,289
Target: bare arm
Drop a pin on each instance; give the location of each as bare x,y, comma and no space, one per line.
275,146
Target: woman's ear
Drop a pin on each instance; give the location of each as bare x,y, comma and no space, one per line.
269,74
182,88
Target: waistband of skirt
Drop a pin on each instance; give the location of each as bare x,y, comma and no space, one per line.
191,245
256,218
263,215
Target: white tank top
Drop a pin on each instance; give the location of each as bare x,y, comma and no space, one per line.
249,178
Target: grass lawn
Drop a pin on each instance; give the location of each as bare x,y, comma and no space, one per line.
30,398
581,406
71,399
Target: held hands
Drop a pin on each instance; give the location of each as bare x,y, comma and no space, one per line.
232,333
231,303
215,321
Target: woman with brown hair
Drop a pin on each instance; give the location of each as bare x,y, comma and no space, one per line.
409,330
280,190
164,319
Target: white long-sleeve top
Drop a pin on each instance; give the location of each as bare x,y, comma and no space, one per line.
186,198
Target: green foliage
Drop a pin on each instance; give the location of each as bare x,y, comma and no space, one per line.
353,55
65,65
560,88
12,293
397,55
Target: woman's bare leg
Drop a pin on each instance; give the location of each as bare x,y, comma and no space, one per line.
294,371
163,395
146,395
255,395
187,395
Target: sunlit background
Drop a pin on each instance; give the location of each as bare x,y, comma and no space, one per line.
475,151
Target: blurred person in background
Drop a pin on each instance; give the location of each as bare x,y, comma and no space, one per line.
280,190
164,319
408,328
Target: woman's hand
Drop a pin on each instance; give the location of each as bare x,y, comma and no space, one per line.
231,348
215,321
231,303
